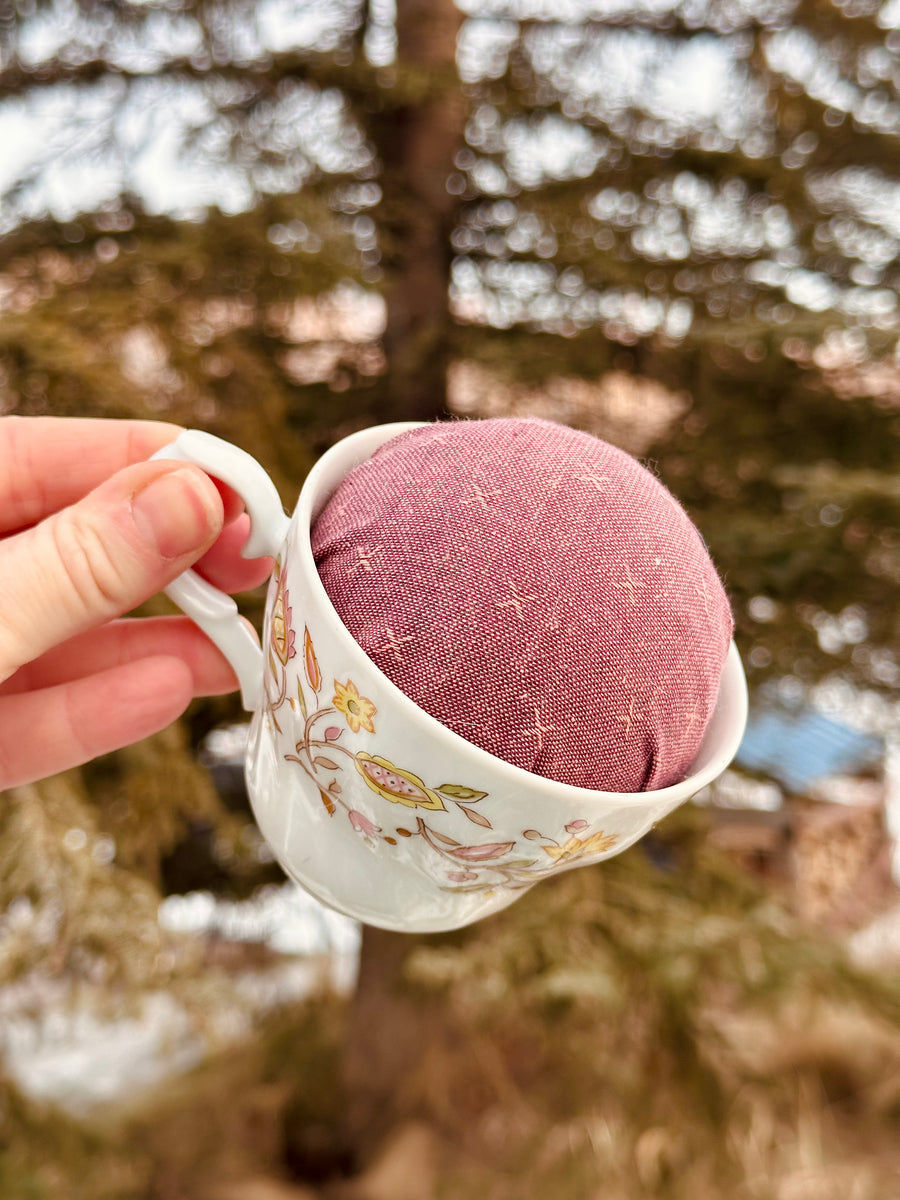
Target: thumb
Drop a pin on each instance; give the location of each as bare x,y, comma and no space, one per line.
103,556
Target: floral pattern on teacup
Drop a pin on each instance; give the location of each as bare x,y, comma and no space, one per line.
394,784
282,638
357,709
321,753
310,662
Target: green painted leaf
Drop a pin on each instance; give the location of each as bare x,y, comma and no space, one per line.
456,791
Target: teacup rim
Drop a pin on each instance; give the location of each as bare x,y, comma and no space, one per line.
355,449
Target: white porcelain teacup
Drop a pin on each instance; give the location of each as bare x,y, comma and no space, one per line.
369,803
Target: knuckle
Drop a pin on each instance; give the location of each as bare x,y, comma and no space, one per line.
10,646
94,582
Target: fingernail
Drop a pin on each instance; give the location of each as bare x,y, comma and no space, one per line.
178,512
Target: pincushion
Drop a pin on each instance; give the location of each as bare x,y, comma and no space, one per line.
537,591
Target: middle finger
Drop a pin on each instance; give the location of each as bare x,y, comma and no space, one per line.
223,566
126,641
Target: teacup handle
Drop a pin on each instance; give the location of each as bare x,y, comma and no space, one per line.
214,611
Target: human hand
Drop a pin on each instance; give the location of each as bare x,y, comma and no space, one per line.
90,530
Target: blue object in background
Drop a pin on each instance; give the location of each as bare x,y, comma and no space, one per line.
796,748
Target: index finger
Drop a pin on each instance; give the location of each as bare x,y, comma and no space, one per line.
47,463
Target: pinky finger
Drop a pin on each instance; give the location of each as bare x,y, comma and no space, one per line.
59,727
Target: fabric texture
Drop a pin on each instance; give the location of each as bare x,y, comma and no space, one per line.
537,591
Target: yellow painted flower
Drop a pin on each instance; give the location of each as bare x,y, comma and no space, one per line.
576,848
394,784
356,708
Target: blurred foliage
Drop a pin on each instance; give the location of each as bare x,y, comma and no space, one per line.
634,1031
180,1140
733,238
674,225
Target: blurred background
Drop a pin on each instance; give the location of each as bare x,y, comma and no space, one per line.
675,224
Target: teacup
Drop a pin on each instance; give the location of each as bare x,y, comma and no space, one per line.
369,803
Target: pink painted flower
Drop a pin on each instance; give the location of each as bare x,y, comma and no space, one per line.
574,826
332,733
462,876
362,824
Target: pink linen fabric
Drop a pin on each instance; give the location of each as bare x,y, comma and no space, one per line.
537,591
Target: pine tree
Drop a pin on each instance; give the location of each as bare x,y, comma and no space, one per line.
700,199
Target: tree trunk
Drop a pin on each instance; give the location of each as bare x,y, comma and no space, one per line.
417,143
389,1029
387,1038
